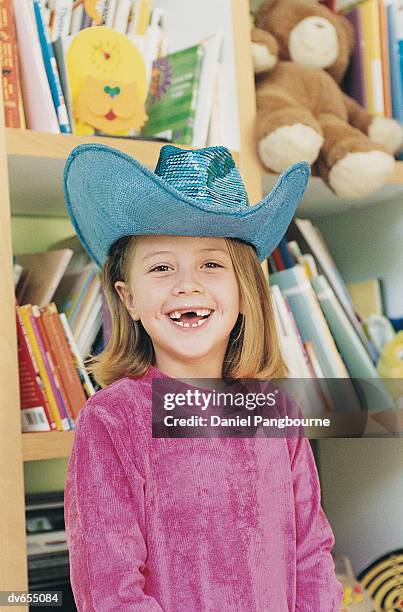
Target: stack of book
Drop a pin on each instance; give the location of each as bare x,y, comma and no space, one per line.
54,340
320,332
172,95
375,77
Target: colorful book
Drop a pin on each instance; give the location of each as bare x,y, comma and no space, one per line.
25,312
40,112
172,99
64,359
44,348
12,96
52,71
35,409
396,77
385,53
372,56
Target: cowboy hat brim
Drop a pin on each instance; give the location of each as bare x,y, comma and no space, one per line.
110,195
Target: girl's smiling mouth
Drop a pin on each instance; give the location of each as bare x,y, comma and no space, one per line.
190,318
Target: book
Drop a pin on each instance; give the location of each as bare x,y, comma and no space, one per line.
78,360
86,304
309,238
372,56
27,320
64,359
49,358
286,255
294,285
396,77
354,355
385,54
72,289
35,409
12,96
52,71
354,82
91,329
61,19
366,297
293,351
172,98
40,112
211,57
44,272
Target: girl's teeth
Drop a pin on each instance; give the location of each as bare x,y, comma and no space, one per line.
181,324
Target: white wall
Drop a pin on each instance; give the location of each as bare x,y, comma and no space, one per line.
368,243
362,494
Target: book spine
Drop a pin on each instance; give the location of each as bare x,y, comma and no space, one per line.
52,72
356,83
62,397
53,382
13,105
87,305
121,18
372,57
395,75
61,19
77,296
82,372
36,414
38,104
278,261
286,256
383,25
26,319
64,360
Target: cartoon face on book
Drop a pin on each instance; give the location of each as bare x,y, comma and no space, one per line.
107,79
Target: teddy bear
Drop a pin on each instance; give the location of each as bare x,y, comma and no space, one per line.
301,51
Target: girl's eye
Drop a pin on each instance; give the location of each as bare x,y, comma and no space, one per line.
212,264
161,268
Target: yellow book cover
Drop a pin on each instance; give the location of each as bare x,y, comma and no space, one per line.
366,297
372,56
25,312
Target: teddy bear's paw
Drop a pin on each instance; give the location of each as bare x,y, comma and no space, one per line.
387,132
358,174
288,145
263,59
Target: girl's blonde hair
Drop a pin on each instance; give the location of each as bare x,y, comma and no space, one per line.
253,348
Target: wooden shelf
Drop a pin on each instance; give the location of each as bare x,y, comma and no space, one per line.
39,158
32,144
47,445
320,201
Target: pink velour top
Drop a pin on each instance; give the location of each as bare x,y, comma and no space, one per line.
191,525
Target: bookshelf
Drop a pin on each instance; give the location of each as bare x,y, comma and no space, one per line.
320,201
30,173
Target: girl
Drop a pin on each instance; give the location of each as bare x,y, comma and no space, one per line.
201,524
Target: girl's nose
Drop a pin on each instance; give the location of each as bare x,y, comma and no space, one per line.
186,285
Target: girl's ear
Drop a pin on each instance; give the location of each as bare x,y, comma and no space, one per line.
128,299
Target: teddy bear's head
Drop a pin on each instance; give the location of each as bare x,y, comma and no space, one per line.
307,32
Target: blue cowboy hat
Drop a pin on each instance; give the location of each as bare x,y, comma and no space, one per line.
191,193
